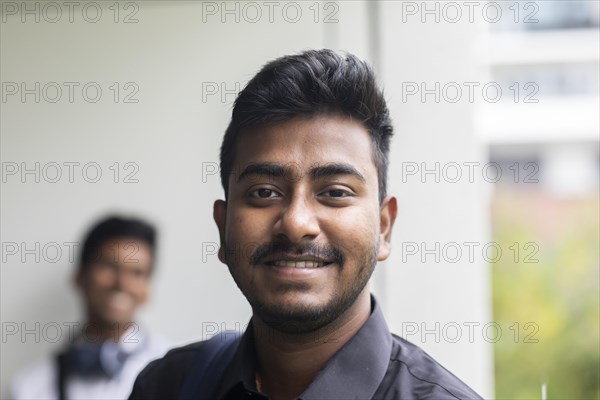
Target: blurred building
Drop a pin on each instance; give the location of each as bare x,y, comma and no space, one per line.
548,124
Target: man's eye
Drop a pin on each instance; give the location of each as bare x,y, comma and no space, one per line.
139,273
264,193
336,193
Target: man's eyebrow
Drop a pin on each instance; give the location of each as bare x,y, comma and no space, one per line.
262,169
333,169
315,173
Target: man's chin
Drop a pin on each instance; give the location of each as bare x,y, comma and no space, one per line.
114,320
295,318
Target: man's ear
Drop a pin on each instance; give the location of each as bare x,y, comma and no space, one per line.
219,215
387,216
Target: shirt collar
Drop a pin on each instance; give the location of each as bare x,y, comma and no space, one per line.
131,341
355,371
241,369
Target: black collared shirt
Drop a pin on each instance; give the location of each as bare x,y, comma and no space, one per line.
374,364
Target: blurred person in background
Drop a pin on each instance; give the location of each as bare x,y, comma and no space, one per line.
105,355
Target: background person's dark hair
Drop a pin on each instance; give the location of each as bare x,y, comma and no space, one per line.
307,84
112,227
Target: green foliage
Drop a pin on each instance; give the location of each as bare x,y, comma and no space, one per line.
554,285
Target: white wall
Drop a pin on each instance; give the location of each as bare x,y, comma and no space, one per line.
171,54
441,304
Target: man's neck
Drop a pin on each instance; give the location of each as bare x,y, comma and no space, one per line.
98,331
288,363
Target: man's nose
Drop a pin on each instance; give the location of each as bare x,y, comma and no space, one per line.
298,220
121,277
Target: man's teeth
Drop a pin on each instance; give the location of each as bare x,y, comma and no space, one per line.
298,264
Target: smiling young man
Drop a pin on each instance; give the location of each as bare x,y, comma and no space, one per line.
102,360
305,220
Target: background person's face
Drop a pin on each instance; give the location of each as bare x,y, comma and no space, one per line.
117,280
301,246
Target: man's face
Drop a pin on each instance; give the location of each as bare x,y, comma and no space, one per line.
117,280
302,228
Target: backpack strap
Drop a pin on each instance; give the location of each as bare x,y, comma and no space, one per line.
209,365
61,375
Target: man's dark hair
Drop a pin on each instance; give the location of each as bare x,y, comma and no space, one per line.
308,84
112,227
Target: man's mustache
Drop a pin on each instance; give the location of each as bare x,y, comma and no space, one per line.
329,253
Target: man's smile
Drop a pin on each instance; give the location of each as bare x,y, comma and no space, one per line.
285,270
297,261
298,264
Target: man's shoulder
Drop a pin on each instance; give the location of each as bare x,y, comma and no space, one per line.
164,377
415,374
